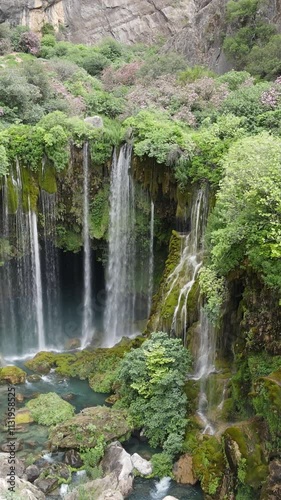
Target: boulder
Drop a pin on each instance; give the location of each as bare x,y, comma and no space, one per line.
72,343
72,458
32,472
23,416
95,121
95,489
143,466
24,489
34,378
42,362
117,461
5,466
16,446
183,470
50,409
84,429
169,497
47,484
271,489
12,375
19,397
110,495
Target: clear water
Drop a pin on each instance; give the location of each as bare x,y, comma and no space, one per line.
151,489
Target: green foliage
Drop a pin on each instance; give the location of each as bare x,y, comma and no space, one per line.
265,61
195,73
246,102
4,163
99,214
100,102
234,79
152,388
241,10
47,29
157,65
245,222
213,288
50,409
159,137
162,465
92,456
209,464
94,63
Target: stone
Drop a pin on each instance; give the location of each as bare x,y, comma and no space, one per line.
84,429
19,397
5,466
95,121
17,446
271,489
12,375
32,472
34,378
110,495
72,458
68,397
25,490
143,466
47,485
183,470
169,497
117,461
23,416
72,343
96,488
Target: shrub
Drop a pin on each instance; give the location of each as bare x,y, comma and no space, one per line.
162,64
195,73
29,42
48,40
95,63
162,465
16,36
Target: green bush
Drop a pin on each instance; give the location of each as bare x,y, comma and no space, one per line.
158,64
162,465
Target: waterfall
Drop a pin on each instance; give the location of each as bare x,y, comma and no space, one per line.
151,260
51,268
204,367
161,488
37,281
120,284
185,273
87,322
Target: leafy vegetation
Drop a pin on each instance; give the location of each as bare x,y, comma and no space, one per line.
50,409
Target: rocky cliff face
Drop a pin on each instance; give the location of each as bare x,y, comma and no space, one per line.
194,28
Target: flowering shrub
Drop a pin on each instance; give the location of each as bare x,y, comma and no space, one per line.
126,75
271,97
29,42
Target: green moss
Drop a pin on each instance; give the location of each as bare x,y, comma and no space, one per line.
49,409
30,189
209,464
12,196
12,375
99,214
267,403
47,179
42,362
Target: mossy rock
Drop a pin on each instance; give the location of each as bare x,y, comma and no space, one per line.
12,196
50,409
209,465
47,179
246,441
267,403
30,190
23,416
42,362
12,375
84,429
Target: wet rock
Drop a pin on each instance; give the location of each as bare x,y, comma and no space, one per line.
112,399
117,461
143,466
16,446
95,121
42,362
111,495
24,489
12,375
5,466
183,470
34,378
98,489
72,458
47,485
68,397
23,416
32,472
73,343
271,489
84,429
19,397
169,497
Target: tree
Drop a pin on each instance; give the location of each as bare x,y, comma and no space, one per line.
152,380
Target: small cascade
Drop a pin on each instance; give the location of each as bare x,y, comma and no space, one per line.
151,260
161,489
204,367
37,280
185,273
87,321
120,284
51,268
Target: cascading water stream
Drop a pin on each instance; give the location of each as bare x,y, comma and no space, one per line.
51,276
151,260
37,280
87,321
204,367
120,284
